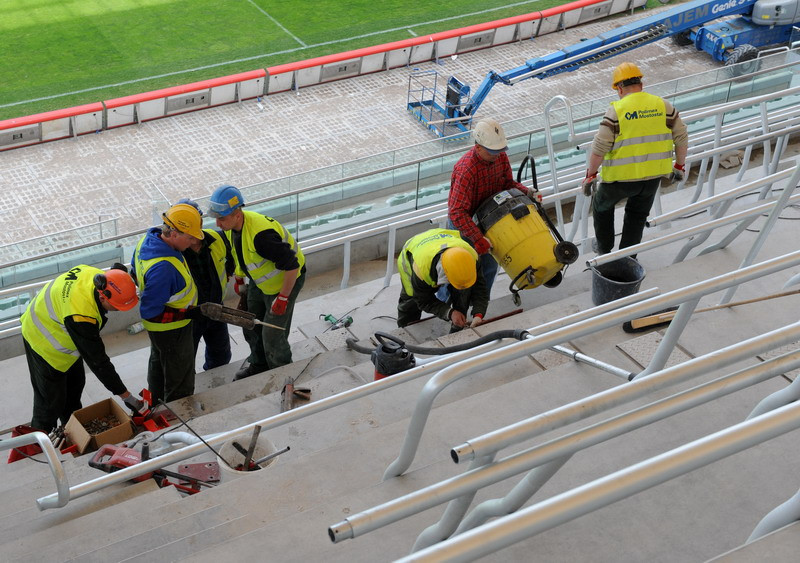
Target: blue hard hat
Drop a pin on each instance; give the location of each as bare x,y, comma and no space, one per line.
191,202
224,200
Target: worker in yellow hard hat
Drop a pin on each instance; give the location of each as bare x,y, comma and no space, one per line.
169,300
61,330
437,258
633,150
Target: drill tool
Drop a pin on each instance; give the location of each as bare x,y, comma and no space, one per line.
342,322
244,319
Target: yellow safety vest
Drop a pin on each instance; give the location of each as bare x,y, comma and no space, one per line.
71,293
643,148
263,272
185,298
219,254
423,248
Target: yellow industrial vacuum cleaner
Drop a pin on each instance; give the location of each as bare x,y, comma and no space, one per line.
524,240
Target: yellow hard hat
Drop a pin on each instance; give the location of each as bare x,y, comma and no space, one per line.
459,267
625,71
184,218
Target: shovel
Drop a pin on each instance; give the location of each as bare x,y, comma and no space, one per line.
235,317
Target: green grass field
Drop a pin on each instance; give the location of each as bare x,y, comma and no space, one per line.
64,53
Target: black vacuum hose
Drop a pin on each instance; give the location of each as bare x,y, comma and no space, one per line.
516,334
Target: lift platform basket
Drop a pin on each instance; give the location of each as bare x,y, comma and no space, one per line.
524,241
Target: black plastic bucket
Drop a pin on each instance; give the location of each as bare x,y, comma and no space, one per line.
616,279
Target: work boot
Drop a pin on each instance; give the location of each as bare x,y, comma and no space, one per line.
248,371
596,248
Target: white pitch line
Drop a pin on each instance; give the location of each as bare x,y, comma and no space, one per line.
411,31
245,59
276,22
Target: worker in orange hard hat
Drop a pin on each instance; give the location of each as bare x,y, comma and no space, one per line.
633,151
169,300
61,330
441,258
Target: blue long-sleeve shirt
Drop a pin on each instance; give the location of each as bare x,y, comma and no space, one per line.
162,280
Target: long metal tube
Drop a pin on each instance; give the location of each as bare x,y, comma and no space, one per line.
777,399
670,340
619,485
777,518
492,442
62,485
594,362
566,446
463,368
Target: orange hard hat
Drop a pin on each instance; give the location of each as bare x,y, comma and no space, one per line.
117,287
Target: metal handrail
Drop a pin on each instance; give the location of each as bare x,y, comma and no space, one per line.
61,498
534,344
616,486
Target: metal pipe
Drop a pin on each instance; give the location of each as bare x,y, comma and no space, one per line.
670,340
777,399
594,362
564,447
777,518
614,487
461,369
61,498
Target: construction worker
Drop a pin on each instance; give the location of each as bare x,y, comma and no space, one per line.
211,264
168,301
61,329
268,256
634,144
441,258
482,172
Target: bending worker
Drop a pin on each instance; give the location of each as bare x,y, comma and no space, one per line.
267,254
634,145
168,301
441,258
61,329
211,264
478,175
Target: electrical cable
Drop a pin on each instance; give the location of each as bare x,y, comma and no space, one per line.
516,334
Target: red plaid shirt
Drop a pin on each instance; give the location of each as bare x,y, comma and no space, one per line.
473,181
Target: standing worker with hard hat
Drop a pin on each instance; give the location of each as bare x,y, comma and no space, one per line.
211,264
478,175
61,329
267,254
441,258
168,301
634,144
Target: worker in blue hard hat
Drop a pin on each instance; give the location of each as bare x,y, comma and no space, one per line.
168,300
441,258
266,254
211,264
633,151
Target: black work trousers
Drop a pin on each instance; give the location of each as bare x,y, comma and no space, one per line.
640,196
218,342
56,394
170,373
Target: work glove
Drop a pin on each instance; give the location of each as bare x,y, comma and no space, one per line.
239,286
534,194
136,405
482,245
477,320
458,318
678,173
589,184
279,305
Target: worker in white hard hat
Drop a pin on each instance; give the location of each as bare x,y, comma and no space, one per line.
482,172
633,149
168,301
441,258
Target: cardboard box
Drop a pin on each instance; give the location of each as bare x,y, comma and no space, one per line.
76,431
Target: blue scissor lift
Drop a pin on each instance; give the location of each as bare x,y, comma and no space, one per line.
440,109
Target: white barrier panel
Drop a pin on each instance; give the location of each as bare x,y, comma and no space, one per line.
19,136
505,34
398,57
56,129
151,109
123,115
223,94
87,123
474,41
595,12
280,82
446,47
528,30
421,53
373,63
187,102
571,18
342,69
549,24
252,88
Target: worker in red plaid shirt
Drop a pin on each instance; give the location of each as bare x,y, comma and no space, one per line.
482,172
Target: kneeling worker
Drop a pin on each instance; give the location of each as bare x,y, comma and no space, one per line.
61,329
437,258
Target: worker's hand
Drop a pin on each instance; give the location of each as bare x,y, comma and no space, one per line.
239,286
534,194
136,405
589,184
482,245
458,318
279,305
477,320
678,173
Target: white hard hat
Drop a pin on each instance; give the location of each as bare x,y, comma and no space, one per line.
489,134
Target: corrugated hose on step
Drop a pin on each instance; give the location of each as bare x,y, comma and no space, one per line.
516,334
